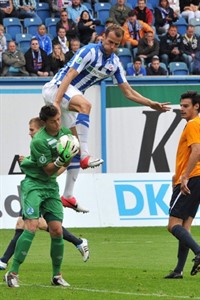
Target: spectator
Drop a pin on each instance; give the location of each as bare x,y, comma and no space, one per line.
74,46
196,65
164,16
134,30
119,12
136,69
189,46
13,61
175,5
37,62
57,59
69,25
44,40
6,10
109,22
62,40
3,44
57,6
170,46
143,13
154,69
98,39
76,9
25,8
86,28
148,47
189,9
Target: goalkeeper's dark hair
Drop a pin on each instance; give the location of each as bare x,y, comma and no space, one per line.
47,112
194,96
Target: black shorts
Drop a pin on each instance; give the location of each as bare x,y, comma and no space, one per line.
184,206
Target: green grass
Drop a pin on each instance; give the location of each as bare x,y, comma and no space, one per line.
125,263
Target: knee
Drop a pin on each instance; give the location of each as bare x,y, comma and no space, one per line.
83,107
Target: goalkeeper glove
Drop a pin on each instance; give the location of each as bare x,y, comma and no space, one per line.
66,154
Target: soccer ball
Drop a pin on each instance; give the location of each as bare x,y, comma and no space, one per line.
63,142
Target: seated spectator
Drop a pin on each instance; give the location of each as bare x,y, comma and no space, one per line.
98,39
189,9
164,16
37,62
3,44
196,64
175,5
69,25
189,46
148,46
57,6
13,61
171,46
108,23
136,69
76,9
62,40
154,69
86,28
74,46
44,40
25,8
6,10
119,12
57,59
143,13
134,30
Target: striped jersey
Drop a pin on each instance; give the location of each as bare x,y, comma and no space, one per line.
93,66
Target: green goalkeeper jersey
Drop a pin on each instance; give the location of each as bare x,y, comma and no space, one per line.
43,151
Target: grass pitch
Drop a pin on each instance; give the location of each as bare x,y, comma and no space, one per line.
125,263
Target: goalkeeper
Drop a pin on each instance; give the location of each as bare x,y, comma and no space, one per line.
40,193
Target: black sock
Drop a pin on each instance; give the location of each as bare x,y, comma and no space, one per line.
70,237
11,247
182,257
185,238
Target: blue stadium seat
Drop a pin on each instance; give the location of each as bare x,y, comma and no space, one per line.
23,40
12,26
102,11
50,24
8,37
99,29
181,25
43,11
89,7
196,23
125,56
178,68
31,25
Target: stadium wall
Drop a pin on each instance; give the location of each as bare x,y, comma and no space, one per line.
133,187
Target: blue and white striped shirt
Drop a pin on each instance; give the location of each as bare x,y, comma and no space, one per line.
93,66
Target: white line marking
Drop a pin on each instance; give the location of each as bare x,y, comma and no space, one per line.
112,292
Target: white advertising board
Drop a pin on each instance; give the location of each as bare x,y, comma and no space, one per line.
112,199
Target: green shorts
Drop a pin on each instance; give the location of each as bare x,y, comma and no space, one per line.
40,198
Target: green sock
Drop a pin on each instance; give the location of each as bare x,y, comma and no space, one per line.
57,250
22,247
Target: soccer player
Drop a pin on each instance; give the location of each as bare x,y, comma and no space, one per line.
186,181
40,193
81,244
89,65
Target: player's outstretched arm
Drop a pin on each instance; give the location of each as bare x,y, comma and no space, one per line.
132,95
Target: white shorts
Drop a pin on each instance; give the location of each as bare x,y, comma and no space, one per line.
49,92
